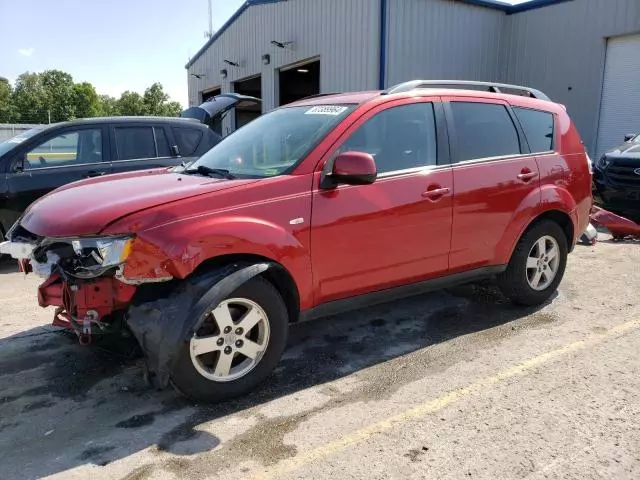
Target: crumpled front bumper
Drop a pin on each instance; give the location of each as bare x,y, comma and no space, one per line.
83,305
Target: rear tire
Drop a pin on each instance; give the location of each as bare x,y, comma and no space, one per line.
537,265
212,366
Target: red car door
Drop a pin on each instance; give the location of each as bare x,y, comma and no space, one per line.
398,229
496,179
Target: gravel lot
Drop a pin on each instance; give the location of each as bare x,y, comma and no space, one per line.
455,384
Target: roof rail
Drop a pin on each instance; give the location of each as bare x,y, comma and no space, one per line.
491,87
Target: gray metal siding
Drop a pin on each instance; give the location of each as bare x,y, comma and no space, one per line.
343,34
442,39
561,50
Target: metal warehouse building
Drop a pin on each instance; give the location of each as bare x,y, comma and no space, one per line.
584,54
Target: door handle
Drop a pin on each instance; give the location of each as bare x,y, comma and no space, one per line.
526,176
435,193
94,173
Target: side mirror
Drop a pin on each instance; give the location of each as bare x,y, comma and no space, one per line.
630,136
353,168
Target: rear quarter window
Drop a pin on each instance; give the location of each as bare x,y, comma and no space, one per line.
538,128
187,139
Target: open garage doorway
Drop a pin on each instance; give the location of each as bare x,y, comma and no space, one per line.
299,81
253,87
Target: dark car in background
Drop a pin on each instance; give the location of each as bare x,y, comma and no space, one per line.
616,177
42,159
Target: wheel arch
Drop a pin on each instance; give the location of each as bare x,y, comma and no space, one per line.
276,274
563,219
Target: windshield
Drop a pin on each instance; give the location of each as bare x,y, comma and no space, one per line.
273,143
18,139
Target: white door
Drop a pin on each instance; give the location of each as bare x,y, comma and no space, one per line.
620,107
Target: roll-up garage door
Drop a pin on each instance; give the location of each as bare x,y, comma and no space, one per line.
620,107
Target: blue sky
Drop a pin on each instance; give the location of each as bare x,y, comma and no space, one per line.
116,45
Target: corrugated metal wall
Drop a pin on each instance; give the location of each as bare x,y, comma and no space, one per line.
558,49
442,39
561,50
343,33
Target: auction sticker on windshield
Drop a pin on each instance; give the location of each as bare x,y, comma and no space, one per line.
326,110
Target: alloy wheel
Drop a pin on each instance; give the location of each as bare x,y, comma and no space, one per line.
231,341
543,262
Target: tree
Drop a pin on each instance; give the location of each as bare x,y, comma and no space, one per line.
29,99
131,103
52,96
7,112
154,99
108,106
86,101
156,102
60,95
172,109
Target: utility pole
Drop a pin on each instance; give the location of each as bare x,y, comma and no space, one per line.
209,34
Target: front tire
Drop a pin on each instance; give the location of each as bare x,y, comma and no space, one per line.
236,346
537,265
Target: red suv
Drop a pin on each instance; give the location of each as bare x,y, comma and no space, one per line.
323,205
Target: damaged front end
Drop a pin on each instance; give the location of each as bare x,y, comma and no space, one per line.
85,278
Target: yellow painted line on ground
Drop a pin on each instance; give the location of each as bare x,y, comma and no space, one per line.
432,406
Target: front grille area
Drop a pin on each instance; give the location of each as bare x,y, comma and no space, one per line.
623,173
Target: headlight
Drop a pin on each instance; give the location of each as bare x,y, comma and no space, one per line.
108,251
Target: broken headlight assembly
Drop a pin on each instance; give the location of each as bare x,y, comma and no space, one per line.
82,258
95,256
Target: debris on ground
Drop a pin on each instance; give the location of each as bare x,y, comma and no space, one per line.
589,236
621,228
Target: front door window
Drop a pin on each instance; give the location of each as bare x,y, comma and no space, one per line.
68,148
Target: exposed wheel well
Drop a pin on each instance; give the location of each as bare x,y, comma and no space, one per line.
279,277
561,219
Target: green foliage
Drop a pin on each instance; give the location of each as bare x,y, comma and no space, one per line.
59,94
154,99
86,101
131,103
29,100
108,106
172,109
7,112
52,96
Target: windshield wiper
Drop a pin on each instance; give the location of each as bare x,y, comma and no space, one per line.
208,171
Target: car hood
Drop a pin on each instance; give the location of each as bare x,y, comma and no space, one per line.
89,206
626,150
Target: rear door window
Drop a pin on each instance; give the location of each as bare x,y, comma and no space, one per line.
483,130
135,142
538,128
187,139
161,142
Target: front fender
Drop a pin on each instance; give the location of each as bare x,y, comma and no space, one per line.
161,326
545,199
177,250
